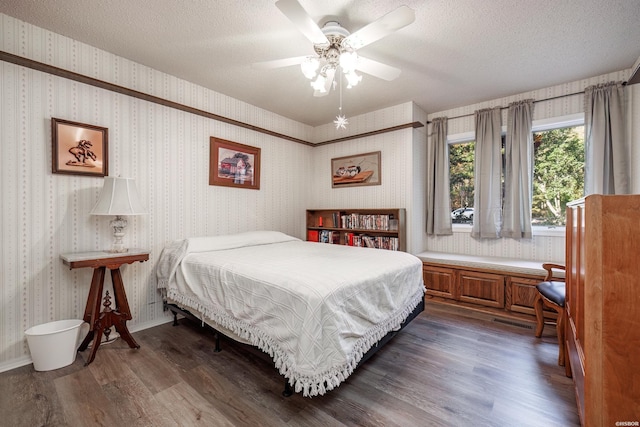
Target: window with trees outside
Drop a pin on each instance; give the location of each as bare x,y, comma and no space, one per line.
461,181
558,175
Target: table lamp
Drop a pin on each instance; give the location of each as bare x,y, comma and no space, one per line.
119,197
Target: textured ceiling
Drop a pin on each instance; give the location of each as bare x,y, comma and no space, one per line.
455,53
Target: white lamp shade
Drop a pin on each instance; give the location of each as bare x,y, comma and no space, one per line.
119,196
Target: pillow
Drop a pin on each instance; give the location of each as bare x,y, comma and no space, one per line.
231,241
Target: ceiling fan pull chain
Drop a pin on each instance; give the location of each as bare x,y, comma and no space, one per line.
341,121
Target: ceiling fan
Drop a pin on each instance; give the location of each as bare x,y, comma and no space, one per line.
336,47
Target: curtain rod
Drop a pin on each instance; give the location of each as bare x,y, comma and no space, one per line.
535,102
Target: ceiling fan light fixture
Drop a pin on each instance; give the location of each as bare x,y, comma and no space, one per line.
309,67
348,61
319,83
352,79
335,47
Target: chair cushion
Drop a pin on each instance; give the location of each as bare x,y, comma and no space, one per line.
553,291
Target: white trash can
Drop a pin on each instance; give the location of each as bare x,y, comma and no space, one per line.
54,345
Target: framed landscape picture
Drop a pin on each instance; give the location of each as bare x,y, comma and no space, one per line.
356,170
233,165
79,149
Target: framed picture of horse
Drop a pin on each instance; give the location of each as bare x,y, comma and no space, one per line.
79,149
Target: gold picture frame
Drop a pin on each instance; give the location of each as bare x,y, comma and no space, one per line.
79,148
356,171
233,165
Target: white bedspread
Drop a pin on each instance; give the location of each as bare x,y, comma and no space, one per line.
314,308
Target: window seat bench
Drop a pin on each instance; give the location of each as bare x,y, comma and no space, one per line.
503,285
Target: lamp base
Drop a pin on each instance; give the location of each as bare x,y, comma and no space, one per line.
118,224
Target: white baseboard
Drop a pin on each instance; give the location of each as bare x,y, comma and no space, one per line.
26,360
157,322
15,363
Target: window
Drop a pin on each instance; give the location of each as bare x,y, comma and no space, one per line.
558,175
461,181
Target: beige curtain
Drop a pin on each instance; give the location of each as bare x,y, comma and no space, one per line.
518,174
438,196
607,169
487,216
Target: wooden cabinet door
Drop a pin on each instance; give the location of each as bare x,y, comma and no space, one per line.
440,281
520,294
481,288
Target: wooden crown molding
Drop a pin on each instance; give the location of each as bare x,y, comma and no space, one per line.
50,69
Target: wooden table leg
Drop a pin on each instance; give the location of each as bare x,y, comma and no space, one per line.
97,339
92,310
122,313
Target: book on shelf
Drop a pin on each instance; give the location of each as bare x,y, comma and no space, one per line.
327,236
312,235
335,217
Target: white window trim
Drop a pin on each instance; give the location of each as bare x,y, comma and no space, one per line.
570,120
540,125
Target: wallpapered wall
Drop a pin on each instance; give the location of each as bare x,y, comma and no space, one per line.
165,150
541,247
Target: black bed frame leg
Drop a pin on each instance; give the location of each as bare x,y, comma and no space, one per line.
217,349
175,319
288,390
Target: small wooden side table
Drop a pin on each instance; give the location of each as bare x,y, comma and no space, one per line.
101,321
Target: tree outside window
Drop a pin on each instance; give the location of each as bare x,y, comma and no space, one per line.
558,175
461,182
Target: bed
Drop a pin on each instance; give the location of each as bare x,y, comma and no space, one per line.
317,310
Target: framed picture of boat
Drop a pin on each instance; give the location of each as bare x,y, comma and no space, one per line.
357,170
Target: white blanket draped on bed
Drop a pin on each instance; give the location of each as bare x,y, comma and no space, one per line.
314,308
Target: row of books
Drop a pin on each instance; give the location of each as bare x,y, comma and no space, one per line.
352,239
378,242
368,222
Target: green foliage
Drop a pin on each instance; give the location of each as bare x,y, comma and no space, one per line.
461,174
558,175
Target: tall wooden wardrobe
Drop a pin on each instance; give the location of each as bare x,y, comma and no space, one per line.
603,307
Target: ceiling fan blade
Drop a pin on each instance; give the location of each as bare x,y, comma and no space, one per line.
377,69
279,63
301,19
328,83
392,21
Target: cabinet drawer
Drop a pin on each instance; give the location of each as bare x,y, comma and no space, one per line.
481,288
520,294
439,281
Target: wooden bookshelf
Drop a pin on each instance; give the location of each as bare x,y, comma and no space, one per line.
380,228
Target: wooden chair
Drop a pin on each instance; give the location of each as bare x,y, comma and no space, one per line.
551,295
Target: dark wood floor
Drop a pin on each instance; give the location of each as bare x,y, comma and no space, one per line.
449,367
